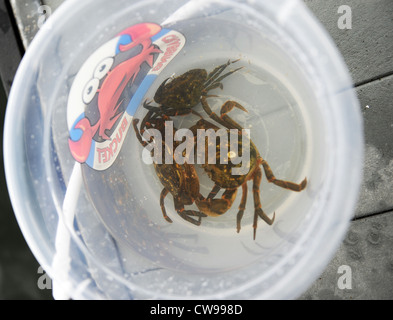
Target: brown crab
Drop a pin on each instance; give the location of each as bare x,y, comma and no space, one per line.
178,96
221,175
181,181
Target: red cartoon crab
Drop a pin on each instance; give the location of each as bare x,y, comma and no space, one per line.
112,88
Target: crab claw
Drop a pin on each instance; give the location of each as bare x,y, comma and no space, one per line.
229,105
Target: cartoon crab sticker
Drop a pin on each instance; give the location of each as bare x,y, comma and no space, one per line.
109,88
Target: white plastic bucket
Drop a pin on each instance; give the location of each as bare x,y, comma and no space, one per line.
99,232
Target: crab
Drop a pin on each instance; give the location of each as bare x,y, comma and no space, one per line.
181,181
221,175
179,96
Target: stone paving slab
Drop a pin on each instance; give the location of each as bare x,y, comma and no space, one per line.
9,50
27,15
31,15
54,4
367,47
363,266
376,100
367,51
367,251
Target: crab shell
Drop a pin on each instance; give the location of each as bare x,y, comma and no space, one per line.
182,91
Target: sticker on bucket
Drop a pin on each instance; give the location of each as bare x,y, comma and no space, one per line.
109,88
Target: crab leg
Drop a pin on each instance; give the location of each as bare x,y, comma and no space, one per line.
213,115
214,191
226,108
242,206
164,193
187,214
224,119
217,81
153,108
147,118
217,207
213,86
152,115
216,72
146,123
138,135
257,201
281,183
213,78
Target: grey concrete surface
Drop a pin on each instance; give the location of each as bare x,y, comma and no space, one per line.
31,15
363,266
18,267
367,250
367,47
54,4
376,100
9,49
27,15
